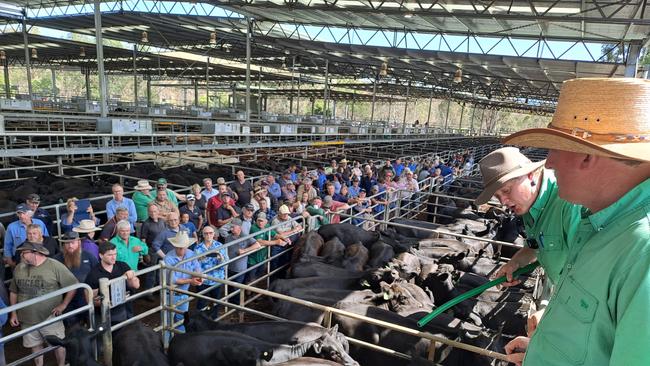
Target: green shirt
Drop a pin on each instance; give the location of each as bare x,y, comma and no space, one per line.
541,226
600,311
124,252
141,202
261,254
172,197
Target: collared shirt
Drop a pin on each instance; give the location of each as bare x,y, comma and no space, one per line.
599,314
275,190
172,259
208,263
541,227
16,234
125,251
141,202
209,193
162,240
240,264
260,255
353,192
112,205
150,230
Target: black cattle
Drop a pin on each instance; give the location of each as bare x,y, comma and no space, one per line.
333,251
138,344
78,345
335,348
309,244
412,231
356,257
283,286
309,361
380,254
312,269
348,234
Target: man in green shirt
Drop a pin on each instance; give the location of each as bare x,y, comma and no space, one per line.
265,239
530,191
129,248
599,146
141,198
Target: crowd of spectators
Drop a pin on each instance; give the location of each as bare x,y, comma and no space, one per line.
157,223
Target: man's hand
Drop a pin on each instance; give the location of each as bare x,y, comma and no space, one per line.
516,350
9,261
533,320
58,310
13,319
136,249
196,281
507,270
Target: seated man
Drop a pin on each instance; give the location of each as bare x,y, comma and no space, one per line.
109,267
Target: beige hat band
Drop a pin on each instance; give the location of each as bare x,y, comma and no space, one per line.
588,135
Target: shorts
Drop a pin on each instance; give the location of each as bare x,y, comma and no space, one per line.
35,338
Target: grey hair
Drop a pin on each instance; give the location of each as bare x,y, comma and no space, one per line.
123,224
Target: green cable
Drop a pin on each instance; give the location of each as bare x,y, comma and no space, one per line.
474,292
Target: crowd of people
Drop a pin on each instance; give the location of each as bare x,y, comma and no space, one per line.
189,231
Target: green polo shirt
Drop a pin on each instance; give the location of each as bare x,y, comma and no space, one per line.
261,254
600,311
541,224
141,202
124,252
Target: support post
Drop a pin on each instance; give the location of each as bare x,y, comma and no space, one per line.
327,92
298,96
207,84
103,107
354,96
406,103
259,94
107,336
135,77
148,91
88,94
447,116
28,67
374,99
460,123
430,103
249,31
471,122
632,60
196,93
7,84
54,91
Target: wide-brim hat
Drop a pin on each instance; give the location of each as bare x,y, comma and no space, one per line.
86,226
598,116
500,166
35,247
142,185
181,239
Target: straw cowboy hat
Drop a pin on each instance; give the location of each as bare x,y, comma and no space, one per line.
500,166
181,239
142,185
598,116
86,226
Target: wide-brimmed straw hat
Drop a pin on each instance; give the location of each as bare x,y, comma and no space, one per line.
142,185
500,166
606,117
86,226
181,239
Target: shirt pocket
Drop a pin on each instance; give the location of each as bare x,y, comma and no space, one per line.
574,314
550,243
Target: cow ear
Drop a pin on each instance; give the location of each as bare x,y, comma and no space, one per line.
333,330
56,341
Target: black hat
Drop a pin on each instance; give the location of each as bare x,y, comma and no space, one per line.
69,236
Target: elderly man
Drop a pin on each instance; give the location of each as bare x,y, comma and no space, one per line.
33,201
142,197
17,232
242,188
238,266
599,148
35,235
110,228
307,187
208,262
129,248
35,276
120,201
180,280
288,229
529,191
161,244
109,267
268,238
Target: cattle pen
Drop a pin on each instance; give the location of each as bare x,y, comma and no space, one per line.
429,200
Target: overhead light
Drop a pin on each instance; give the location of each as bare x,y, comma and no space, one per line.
383,71
458,76
3,55
145,37
213,38
34,53
82,52
408,15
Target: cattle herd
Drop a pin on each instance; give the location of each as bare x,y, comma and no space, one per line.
396,274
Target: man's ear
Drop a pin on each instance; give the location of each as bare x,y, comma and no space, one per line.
589,161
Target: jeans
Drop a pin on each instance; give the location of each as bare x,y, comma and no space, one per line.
215,293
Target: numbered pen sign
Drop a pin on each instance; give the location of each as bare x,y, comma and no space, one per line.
118,292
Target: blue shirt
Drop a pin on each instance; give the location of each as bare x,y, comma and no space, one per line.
112,205
413,167
191,228
353,191
294,177
171,259
339,198
208,263
209,194
17,234
322,178
162,240
275,190
398,169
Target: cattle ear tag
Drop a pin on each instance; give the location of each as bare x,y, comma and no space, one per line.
365,283
387,296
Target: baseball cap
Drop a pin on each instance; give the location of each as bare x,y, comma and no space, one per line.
261,215
236,221
190,197
23,208
34,197
250,207
162,181
284,209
